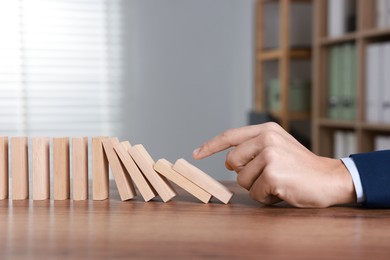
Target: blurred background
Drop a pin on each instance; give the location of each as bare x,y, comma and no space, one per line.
171,74
168,74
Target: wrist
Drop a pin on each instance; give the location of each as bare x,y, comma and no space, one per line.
345,189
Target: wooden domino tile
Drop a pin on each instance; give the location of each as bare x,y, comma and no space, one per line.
128,163
3,167
122,178
164,167
100,180
203,180
19,162
146,163
41,168
142,184
61,174
80,168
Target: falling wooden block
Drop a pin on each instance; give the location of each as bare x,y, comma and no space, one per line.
61,175
80,168
19,162
122,178
164,167
146,163
142,184
41,168
3,167
100,181
203,180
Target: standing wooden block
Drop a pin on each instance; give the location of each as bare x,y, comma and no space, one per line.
122,178
142,184
164,167
203,180
3,167
61,175
100,181
41,168
19,162
80,168
145,162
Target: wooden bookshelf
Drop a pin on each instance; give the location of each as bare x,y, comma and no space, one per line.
366,32
276,54
338,40
283,55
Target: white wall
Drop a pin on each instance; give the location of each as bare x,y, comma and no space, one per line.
188,74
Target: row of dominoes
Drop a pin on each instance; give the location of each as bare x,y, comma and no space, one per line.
130,165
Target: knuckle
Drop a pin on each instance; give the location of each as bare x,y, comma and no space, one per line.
229,155
243,181
240,180
233,160
270,177
256,195
272,126
226,136
230,159
269,155
271,138
206,146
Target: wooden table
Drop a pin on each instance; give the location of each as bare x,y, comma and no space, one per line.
186,228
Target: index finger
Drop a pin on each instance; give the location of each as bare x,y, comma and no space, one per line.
227,139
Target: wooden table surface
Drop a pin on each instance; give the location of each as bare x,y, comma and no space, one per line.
185,228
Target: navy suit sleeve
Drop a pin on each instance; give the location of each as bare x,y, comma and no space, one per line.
374,171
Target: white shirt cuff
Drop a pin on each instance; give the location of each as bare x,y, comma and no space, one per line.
351,166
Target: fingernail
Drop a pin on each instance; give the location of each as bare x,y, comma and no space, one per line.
195,152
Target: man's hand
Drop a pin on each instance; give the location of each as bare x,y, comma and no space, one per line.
274,166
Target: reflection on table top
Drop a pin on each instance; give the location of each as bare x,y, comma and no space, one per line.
185,227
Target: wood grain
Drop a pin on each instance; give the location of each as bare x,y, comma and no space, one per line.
142,184
187,229
122,178
145,162
80,168
41,168
164,167
3,167
203,180
100,187
19,163
61,172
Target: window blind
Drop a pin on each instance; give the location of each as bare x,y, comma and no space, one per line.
60,69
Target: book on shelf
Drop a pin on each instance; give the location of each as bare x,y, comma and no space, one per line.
342,82
381,142
378,83
382,13
341,17
334,71
344,143
299,92
351,82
